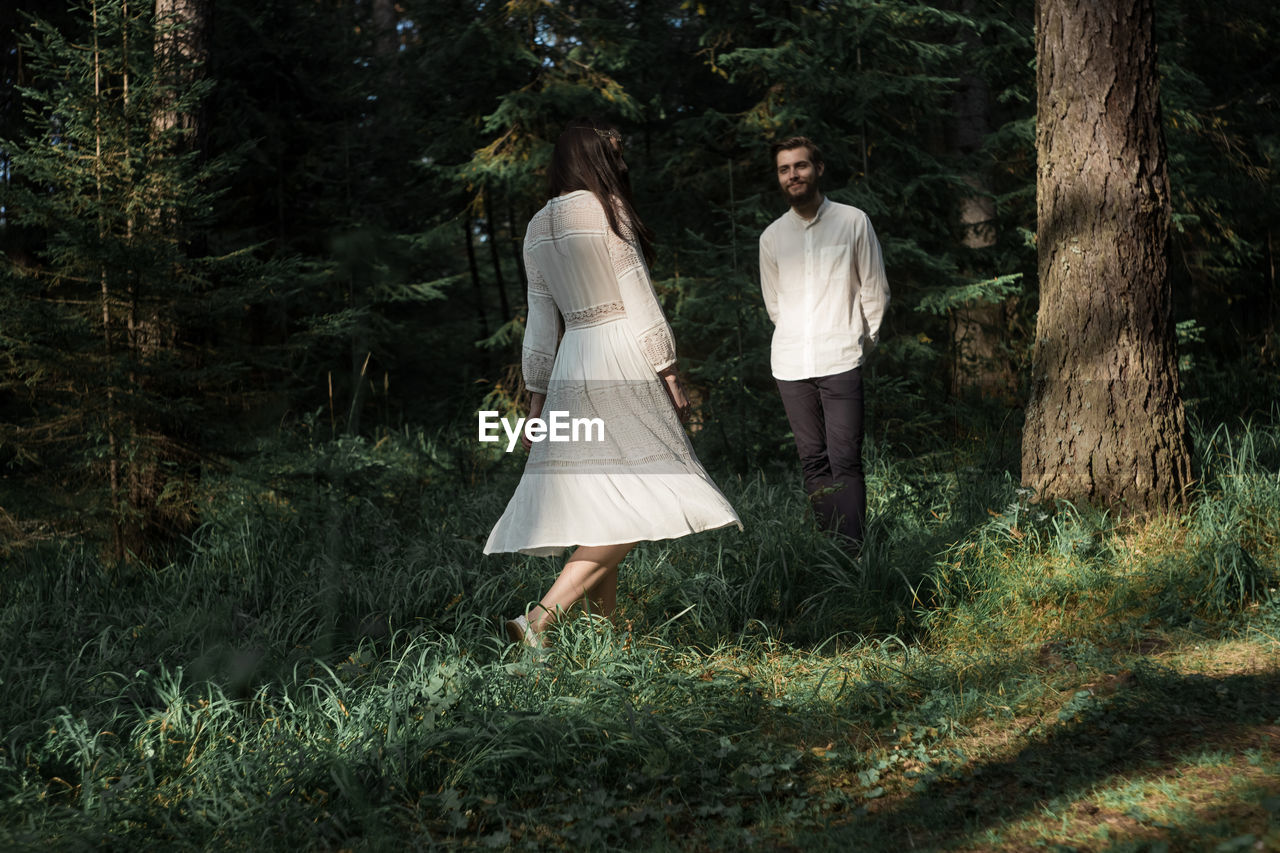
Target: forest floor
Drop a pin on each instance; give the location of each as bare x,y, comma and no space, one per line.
318,669
1175,749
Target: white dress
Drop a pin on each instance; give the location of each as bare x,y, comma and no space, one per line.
640,480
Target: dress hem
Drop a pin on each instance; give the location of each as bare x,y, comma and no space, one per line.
550,549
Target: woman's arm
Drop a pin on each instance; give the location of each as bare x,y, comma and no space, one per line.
541,331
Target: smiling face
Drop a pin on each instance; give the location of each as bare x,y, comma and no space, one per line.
797,175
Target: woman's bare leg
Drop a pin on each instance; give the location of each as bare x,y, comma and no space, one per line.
591,573
603,597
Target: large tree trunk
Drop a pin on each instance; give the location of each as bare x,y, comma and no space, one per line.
182,51
1105,422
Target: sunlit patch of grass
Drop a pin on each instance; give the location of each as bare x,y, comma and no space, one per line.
1027,575
1202,806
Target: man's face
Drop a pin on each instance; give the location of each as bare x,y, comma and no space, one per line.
797,175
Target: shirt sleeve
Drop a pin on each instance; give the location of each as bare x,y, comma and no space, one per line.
873,293
644,314
541,331
769,277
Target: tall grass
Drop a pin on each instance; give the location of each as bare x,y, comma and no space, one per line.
320,669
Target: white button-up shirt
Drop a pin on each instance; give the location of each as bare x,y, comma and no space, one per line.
825,289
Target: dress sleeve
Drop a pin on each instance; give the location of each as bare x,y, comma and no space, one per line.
541,331
873,292
769,276
644,314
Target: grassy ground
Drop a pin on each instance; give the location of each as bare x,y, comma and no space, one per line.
320,672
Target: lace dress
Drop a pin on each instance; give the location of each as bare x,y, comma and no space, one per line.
634,476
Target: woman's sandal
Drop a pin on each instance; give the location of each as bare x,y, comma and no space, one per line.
518,631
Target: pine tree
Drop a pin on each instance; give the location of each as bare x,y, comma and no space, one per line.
113,393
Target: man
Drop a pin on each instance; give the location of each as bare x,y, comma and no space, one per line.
824,286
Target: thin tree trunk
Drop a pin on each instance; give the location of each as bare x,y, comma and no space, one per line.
110,419
386,40
1273,293
978,329
140,472
131,315
476,288
517,247
1105,421
490,211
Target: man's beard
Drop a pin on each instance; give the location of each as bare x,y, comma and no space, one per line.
809,194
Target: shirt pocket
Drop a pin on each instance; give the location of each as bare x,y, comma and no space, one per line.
833,265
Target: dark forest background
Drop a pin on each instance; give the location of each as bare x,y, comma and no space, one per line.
324,242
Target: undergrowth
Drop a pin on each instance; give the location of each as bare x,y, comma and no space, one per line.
320,668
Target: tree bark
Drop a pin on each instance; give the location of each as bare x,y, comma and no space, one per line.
1105,422
181,52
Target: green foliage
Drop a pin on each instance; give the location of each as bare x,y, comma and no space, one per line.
106,306
992,290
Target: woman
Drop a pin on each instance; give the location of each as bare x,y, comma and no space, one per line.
586,254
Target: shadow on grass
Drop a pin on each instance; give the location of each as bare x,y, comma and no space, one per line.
1154,722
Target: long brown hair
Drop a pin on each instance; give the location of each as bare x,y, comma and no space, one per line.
588,156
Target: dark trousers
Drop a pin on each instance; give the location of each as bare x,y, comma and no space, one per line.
826,416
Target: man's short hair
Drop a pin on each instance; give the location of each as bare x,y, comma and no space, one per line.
815,155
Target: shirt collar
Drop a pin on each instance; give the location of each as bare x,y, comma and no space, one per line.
817,217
